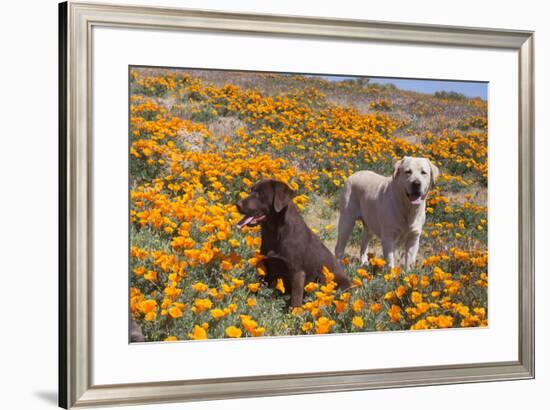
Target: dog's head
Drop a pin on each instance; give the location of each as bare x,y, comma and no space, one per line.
415,176
266,198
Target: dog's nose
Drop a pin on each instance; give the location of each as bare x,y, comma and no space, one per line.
415,185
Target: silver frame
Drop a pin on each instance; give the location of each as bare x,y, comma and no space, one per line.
76,21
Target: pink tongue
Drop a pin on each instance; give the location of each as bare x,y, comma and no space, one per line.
417,201
245,221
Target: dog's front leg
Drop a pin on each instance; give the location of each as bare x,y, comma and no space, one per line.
388,248
411,249
297,291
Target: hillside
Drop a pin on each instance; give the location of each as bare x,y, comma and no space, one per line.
200,139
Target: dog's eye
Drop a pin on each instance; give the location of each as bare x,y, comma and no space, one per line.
423,172
408,172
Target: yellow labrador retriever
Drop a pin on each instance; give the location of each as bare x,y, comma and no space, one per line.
392,208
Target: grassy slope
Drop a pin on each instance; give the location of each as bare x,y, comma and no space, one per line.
415,115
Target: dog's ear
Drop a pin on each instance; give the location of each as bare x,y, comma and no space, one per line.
396,166
282,195
434,174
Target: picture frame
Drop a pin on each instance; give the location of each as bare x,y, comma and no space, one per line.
76,361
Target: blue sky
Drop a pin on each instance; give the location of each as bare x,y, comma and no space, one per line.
468,88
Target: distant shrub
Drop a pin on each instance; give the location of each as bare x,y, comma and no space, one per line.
385,87
450,95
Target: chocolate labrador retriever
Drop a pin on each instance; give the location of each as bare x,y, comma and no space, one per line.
292,251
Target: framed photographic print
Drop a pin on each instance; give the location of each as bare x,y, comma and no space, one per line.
262,205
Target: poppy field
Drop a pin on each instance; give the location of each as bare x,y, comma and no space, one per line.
200,139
